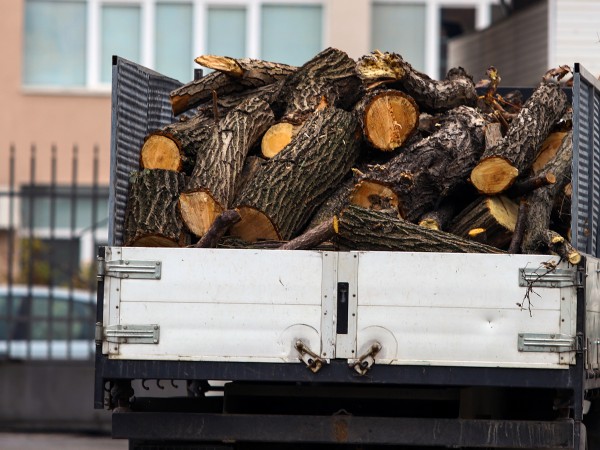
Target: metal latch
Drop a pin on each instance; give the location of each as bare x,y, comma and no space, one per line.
124,268
549,277
310,358
128,334
555,343
366,361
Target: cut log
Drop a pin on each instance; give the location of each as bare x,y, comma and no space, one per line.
388,118
329,78
255,73
289,187
363,229
211,187
277,137
334,204
496,215
541,201
548,150
425,173
501,165
439,218
431,95
174,147
152,219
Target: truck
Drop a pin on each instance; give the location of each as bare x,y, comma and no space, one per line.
358,349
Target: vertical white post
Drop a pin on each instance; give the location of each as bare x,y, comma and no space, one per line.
147,33
483,15
199,28
253,29
93,44
432,39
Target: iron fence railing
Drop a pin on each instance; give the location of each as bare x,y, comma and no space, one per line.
49,235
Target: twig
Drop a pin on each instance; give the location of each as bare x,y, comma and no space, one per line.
218,228
530,184
313,237
517,237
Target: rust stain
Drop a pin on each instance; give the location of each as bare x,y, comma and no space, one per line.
340,430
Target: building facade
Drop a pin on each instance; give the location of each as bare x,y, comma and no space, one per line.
56,80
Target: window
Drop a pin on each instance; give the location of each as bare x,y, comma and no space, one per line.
120,27
226,31
70,43
400,28
291,33
55,43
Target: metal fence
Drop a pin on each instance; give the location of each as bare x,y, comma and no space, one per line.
49,235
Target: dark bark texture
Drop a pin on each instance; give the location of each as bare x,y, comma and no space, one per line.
363,229
220,162
290,186
434,167
541,201
329,77
431,95
257,73
152,218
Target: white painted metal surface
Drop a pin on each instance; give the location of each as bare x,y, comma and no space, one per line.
592,313
219,304
456,309
423,308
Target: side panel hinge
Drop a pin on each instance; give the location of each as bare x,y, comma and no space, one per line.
135,270
550,278
555,343
128,334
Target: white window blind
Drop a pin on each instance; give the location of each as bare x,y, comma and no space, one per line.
226,31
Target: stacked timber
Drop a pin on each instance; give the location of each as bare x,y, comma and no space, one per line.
356,155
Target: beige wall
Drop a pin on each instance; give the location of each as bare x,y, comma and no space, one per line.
348,26
66,118
46,119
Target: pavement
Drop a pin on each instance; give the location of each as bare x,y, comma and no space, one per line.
55,441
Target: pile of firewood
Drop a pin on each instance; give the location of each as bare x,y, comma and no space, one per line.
360,155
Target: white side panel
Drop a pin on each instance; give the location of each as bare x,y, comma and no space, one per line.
227,276
234,305
592,313
451,309
223,332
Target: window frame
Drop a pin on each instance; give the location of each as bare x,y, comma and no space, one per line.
93,63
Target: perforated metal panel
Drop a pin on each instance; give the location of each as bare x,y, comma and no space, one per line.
585,208
140,104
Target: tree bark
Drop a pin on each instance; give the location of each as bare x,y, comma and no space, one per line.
219,163
501,165
431,95
328,79
387,118
430,170
152,218
541,201
289,187
363,229
254,74
496,216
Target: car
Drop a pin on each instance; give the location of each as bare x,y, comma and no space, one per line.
39,322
